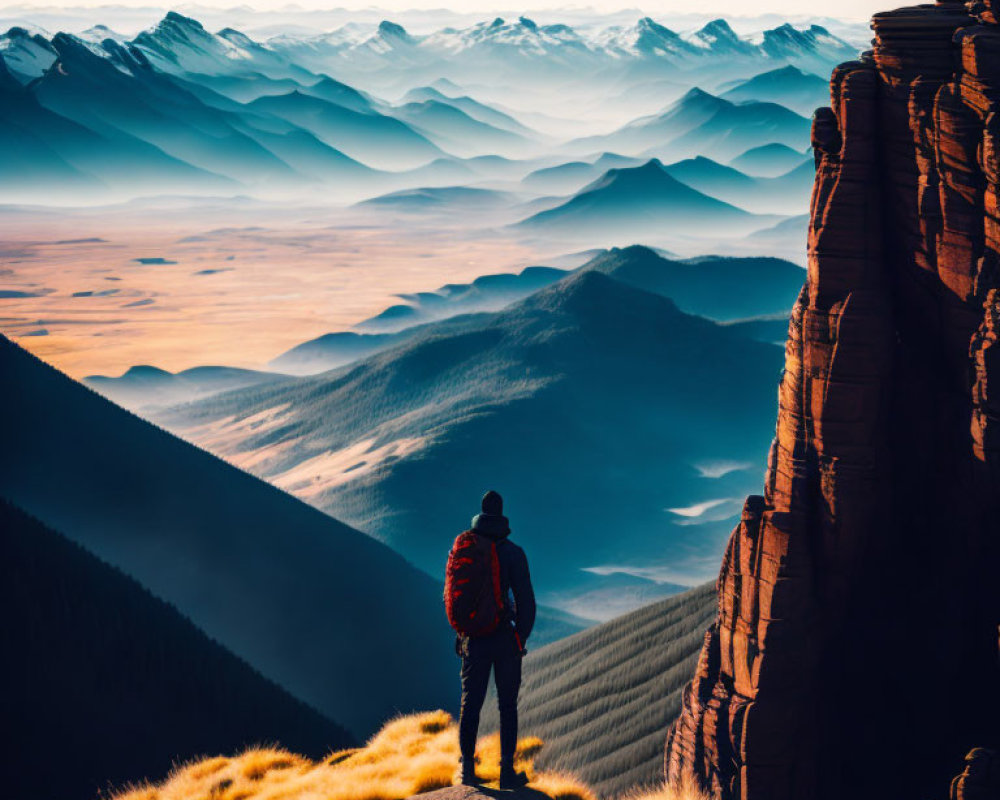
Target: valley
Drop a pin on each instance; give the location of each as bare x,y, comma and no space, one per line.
280,303
339,261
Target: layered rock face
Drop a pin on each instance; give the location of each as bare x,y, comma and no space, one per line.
855,649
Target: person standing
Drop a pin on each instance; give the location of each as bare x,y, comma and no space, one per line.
491,605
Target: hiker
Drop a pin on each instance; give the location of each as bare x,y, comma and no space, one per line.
491,605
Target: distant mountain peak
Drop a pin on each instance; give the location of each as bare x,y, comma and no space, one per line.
653,165
145,371
720,27
698,96
650,24
528,23
595,301
180,19
789,69
392,30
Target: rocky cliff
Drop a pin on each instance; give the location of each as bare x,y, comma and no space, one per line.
855,649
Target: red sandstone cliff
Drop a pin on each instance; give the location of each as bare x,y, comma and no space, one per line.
855,649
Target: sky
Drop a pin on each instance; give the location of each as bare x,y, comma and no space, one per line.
844,9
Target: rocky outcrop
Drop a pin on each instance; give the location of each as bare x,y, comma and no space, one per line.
855,649
980,780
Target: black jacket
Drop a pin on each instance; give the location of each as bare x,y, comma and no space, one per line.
515,580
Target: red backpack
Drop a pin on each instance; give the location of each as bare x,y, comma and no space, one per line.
472,595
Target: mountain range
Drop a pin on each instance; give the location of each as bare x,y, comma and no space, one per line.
179,109
700,123
764,289
588,370
516,45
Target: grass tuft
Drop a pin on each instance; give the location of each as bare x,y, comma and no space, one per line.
411,755
687,790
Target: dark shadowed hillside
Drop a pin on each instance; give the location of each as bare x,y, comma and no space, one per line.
602,700
106,684
272,579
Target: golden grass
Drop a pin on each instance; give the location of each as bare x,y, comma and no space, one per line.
410,755
686,791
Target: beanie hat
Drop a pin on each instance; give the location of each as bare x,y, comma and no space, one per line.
492,503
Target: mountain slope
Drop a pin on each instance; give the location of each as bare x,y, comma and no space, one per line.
180,44
602,700
633,203
784,194
788,86
700,123
118,680
267,576
571,176
754,286
769,160
475,109
587,371
114,93
458,132
43,143
734,129
485,293
372,138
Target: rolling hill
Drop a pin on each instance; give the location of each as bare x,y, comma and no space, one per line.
263,574
145,385
332,350
769,160
440,199
117,679
636,204
586,371
485,293
602,700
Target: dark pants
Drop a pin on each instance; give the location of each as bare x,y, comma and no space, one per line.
499,653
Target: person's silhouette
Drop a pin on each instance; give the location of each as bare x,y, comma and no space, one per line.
499,651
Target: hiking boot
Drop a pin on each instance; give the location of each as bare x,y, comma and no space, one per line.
511,779
467,776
